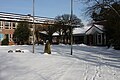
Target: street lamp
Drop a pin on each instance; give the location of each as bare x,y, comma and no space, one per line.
33,27
71,19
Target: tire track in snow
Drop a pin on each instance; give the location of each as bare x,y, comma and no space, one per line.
86,72
97,70
98,67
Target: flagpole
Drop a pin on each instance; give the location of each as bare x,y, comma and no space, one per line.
33,27
71,27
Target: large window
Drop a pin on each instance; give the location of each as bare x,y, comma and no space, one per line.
1,37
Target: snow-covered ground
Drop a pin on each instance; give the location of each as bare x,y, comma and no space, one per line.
86,63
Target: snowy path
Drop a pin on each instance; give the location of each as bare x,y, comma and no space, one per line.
101,63
86,63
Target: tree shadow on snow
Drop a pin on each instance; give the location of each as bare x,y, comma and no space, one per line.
100,56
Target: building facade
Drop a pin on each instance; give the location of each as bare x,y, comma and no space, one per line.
9,22
7,28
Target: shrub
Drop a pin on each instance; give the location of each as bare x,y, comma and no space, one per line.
117,47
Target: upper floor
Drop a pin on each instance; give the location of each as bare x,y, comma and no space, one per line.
8,25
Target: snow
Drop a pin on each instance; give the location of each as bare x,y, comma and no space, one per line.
99,26
93,30
81,30
55,34
86,63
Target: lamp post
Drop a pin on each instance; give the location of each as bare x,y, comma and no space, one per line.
33,27
71,19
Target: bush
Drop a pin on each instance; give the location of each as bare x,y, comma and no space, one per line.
117,47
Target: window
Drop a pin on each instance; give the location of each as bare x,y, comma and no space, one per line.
14,26
10,37
1,23
10,26
6,25
0,27
99,38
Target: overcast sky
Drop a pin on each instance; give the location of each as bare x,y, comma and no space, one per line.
46,8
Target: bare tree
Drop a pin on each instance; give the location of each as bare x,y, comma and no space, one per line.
63,22
106,13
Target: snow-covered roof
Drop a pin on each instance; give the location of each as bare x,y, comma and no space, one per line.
55,34
95,29
99,26
84,30
80,30
43,32
76,31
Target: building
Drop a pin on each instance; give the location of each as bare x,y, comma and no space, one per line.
95,35
9,22
79,35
